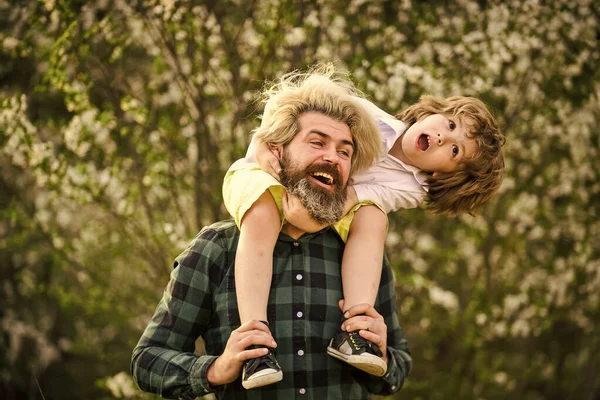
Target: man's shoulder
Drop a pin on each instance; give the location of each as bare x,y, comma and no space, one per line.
213,242
218,231
226,227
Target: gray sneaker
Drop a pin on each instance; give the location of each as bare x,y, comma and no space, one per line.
261,371
358,352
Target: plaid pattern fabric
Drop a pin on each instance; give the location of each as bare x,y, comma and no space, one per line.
200,300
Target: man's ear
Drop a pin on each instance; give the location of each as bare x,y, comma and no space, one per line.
277,150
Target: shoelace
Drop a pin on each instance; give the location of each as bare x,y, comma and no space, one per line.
364,344
260,363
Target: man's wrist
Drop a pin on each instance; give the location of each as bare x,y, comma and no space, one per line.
212,374
199,375
386,357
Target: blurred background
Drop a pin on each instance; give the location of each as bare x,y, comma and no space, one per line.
119,118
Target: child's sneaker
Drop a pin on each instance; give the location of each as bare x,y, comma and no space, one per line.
261,371
358,352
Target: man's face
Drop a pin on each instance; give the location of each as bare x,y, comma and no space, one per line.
316,165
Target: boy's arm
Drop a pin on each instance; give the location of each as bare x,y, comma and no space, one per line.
390,198
295,213
351,200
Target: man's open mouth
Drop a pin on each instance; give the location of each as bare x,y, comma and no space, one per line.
423,142
323,177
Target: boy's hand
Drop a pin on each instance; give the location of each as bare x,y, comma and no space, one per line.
295,213
351,200
267,157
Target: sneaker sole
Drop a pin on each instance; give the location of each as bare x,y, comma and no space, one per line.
373,365
263,380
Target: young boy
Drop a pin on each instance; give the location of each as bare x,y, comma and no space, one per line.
443,151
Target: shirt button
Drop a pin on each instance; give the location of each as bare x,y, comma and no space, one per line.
302,391
300,352
299,277
296,244
394,387
299,314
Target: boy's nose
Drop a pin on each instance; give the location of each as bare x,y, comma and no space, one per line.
439,138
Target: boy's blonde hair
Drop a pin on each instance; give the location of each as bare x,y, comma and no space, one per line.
325,90
477,178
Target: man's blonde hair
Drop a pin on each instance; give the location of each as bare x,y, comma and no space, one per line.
477,178
325,90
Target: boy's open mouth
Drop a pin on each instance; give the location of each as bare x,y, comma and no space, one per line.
323,177
423,142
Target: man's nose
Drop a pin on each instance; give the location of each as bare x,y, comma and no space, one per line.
330,155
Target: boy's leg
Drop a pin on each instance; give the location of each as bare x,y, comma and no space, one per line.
363,256
361,272
254,258
259,230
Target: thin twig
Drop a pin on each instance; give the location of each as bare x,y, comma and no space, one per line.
39,387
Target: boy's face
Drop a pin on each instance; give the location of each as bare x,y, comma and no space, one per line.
437,143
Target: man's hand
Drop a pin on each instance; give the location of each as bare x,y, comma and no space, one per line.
268,157
226,368
295,213
371,325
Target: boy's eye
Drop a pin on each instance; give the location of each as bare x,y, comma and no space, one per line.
454,150
452,125
316,143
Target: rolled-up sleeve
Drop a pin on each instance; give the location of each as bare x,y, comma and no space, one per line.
400,362
390,198
163,362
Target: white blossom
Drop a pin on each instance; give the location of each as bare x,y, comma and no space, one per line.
445,298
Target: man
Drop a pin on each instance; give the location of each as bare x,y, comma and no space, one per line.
305,296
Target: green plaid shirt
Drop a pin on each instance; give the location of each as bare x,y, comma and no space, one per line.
200,300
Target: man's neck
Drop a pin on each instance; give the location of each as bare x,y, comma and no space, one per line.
292,230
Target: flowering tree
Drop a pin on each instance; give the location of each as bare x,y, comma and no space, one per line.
119,119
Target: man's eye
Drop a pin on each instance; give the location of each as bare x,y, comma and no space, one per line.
317,143
454,150
452,125
344,153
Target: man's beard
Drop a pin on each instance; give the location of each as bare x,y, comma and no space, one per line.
324,206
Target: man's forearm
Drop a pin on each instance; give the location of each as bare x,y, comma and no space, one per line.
399,365
170,373
214,374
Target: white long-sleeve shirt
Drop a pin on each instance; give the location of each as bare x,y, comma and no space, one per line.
389,182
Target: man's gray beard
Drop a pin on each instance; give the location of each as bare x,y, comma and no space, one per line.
324,206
